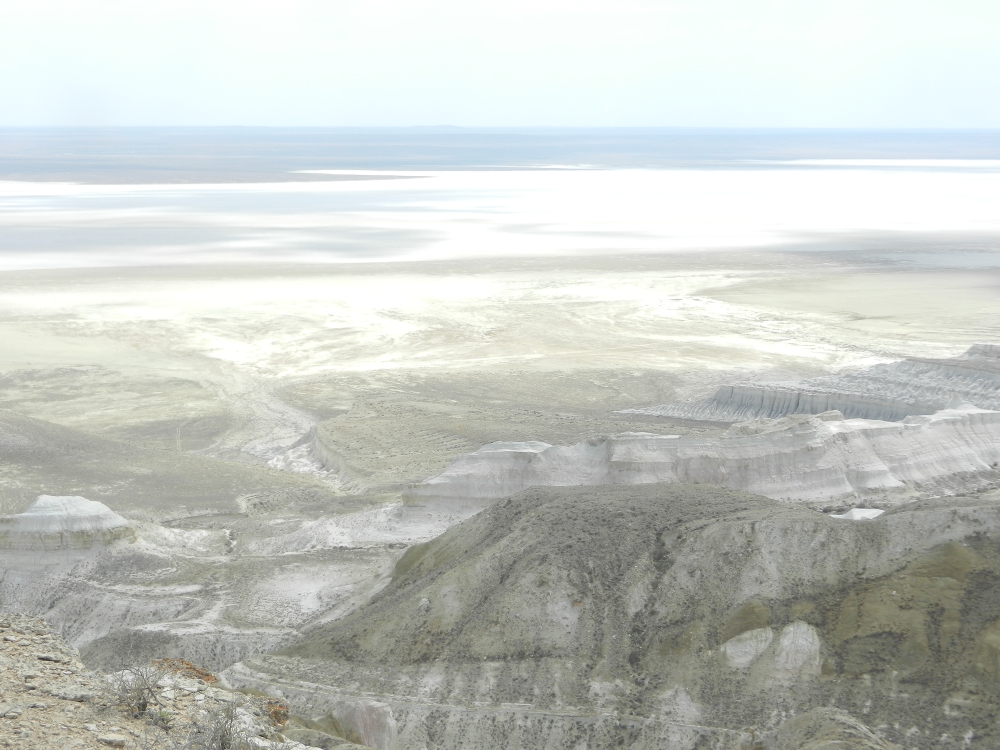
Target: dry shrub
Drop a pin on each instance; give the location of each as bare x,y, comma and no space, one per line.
135,689
277,712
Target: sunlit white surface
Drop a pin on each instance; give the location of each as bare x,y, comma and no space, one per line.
859,514
468,214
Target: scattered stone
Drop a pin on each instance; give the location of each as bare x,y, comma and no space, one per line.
59,658
189,685
70,693
10,710
85,712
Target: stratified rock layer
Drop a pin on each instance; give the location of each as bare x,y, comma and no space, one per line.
888,392
63,523
616,615
819,460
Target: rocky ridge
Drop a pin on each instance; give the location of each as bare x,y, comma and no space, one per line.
669,616
820,460
888,392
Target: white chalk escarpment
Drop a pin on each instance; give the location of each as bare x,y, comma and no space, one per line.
122,591
820,460
63,523
890,392
553,615
139,552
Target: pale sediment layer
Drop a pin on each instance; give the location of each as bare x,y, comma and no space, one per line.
891,391
819,459
400,723
61,523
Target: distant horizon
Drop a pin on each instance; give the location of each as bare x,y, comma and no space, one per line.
188,154
529,129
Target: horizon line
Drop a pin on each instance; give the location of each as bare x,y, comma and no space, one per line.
522,128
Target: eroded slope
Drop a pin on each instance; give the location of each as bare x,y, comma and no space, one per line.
688,605
823,460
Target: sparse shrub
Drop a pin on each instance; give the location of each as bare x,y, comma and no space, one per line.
240,724
162,719
224,729
135,689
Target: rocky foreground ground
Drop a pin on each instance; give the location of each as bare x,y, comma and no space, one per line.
49,699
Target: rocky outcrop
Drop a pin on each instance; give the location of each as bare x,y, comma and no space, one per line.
889,392
48,699
821,460
670,608
64,523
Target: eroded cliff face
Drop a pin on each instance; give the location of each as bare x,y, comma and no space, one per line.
125,591
819,460
139,552
63,523
678,606
890,392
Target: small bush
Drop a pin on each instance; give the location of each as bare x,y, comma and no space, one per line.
135,689
223,730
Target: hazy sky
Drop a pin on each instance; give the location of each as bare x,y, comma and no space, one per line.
726,63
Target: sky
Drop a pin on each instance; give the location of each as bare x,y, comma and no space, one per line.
618,63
